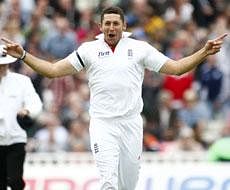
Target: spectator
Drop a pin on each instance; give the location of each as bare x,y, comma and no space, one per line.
88,28
194,112
67,9
73,107
223,61
184,143
78,140
204,12
62,41
176,50
211,84
52,137
180,12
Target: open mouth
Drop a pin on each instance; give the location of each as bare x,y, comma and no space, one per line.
111,35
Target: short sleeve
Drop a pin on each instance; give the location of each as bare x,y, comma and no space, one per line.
153,59
78,58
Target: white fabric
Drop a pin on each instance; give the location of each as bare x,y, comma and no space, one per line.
115,78
117,146
4,58
16,92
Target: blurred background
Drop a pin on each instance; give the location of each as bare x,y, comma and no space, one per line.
186,118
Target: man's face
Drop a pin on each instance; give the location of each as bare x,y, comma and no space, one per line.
112,27
3,69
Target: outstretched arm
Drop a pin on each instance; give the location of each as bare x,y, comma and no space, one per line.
186,64
45,68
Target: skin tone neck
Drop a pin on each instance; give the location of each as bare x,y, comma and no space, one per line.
112,27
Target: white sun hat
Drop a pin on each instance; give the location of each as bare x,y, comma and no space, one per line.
4,58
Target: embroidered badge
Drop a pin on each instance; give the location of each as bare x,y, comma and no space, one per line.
130,53
96,148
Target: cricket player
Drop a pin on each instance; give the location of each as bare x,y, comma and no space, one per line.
115,64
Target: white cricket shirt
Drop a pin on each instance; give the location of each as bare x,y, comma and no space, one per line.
115,78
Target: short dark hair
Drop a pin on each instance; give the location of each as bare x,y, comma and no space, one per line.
113,10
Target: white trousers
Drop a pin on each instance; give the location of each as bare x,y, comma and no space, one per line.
117,146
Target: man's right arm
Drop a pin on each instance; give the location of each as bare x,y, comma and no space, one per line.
48,69
45,68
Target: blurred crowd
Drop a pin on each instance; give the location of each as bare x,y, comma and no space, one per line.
181,113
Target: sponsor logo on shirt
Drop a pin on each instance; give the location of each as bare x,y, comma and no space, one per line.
103,54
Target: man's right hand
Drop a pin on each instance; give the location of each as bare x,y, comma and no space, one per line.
12,48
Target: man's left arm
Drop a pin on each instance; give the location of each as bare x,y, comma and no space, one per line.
186,64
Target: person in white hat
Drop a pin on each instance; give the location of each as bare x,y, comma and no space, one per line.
18,99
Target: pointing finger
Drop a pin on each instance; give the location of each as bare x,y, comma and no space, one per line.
221,37
7,40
